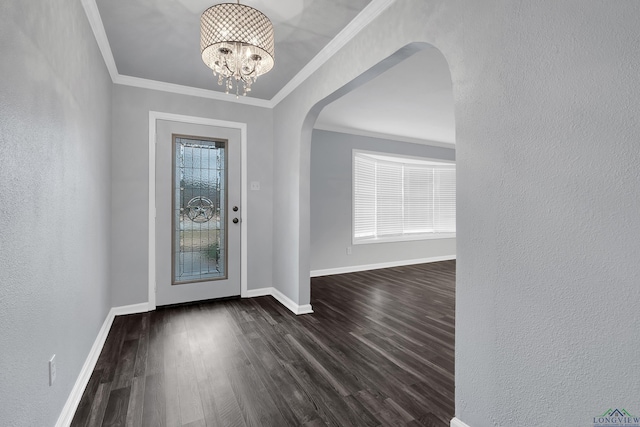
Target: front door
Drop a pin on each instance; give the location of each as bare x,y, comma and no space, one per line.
197,212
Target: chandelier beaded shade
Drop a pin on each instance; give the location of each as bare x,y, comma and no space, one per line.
236,42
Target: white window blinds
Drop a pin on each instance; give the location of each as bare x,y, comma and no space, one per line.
402,198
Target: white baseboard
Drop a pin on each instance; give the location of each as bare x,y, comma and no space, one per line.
70,407
131,309
356,268
457,423
69,410
262,292
287,302
282,299
305,309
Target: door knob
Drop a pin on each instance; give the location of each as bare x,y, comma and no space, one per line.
235,209
235,220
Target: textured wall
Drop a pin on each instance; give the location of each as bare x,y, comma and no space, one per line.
548,162
55,135
332,199
130,193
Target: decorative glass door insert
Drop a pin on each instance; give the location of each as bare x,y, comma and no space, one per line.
199,206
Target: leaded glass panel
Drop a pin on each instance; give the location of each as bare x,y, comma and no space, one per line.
199,185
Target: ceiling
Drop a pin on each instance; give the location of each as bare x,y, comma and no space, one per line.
412,100
156,43
160,39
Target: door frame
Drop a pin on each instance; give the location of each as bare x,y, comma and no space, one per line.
154,116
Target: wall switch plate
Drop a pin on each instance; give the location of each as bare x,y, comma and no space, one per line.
52,370
255,185
348,250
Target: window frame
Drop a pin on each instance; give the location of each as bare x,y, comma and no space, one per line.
391,238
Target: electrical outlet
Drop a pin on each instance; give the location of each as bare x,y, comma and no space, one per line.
52,370
348,250
255,185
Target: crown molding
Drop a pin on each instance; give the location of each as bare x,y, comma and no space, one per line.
368,14
189,90
364,18
95,21
379,135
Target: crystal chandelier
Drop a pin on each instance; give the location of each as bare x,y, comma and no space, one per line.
236,42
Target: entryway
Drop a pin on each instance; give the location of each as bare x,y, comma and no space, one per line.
198,218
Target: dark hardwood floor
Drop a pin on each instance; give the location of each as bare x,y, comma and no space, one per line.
378,350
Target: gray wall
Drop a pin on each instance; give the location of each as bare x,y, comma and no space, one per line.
548,170
130,187
546,111
332,199
55,135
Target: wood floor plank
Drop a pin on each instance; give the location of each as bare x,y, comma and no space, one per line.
99,405
219,402
126,360
140,364
81,417
171,393
116,412
108,360
136,402
189,395
378,351
154,406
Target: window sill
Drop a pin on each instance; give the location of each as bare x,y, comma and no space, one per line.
407,238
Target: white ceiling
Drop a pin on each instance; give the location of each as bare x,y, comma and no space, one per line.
160,39
156,43
412,101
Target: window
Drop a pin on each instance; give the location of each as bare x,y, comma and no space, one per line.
398,198
199,235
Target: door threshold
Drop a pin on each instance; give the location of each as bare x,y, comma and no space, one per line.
204,301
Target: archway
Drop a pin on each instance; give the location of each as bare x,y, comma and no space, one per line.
306,137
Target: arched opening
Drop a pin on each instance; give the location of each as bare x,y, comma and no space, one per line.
406,129
336,256
443,140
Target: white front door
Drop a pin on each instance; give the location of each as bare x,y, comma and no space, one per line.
197,212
